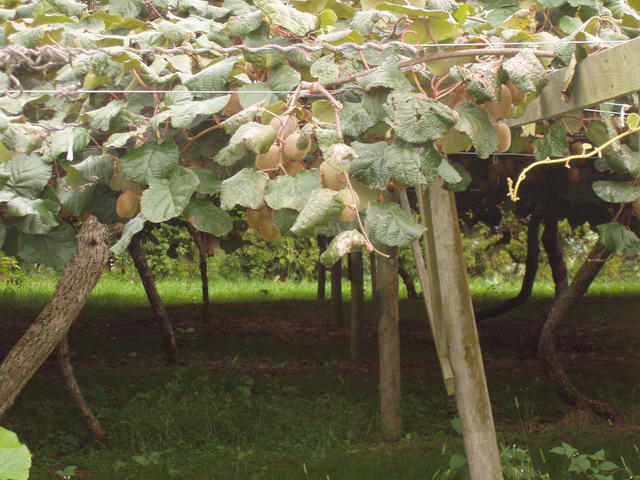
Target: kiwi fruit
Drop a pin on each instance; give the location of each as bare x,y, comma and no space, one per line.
253,216
332,178
267,230
636,207
352,204
576,148
502,107
269,159
291,151
292,167
517,96
128,204
233,107
573,174
503,132
284,126
453,142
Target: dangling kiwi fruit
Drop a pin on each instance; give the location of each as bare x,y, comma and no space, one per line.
517,96
291,151
576,148
503,132
573,175
352,204
128,204
286,123
269,159
453,142
267,230
502,107
331,178
233,107
292,167
253,216
636,207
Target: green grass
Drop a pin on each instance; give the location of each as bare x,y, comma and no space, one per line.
269,393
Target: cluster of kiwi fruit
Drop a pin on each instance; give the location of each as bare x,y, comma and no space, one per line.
289,150
509,95
334,179
262,222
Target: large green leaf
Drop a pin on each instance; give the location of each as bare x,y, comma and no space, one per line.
34,217
320,209
15,458
27,174
150,162
342,244
355,120
53,249
291,192
525,71
387,75
370,167
208,218
133,226
475,122
185,114
624,161
253,136
482,80
65,141
96,167
554,143
209,183
167,198
213,77
617,238
76,203
285,16
246,188
417,119
404,165
387,224
325,69
283,78
616,192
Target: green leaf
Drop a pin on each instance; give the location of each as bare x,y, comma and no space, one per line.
208,218
474,121
457,461
213,77
370,167
167,198
319,211
354,119
297,22
283,78
291,192
482,80
616,192
118,140
416,119
233,123
244,24
68,7
185,114
65,141
101,118
554,144
209,181
624,161
253,136
448,173
256,93
34,217
387,224
96,168
150,162
342,244
133,226
27,174
76,202
246,188
126,8
53,249
411,11
617,238
325,69
387,75
526,72
103,206
15,458
404,163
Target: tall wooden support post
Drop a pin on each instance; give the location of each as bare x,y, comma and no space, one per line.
336,293
357,302
322,269
471,393
202,264
375,297
389,347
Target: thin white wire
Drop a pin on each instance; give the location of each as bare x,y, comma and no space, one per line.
177,92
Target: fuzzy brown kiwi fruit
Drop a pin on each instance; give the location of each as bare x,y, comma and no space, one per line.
283,125
292,167
331,178
233,106
128,204
517,96
352,204
576,148
291,151
503,132
573,174
502,107
269,159
253,216
267,230
636,207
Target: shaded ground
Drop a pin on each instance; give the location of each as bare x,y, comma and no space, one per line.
269,391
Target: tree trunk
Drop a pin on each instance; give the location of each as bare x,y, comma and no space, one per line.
551,243
157,305
336,293
375,293
79,277
204,278
71,383
530,271
547,348
357,303
472,396
322,269
408,281
389,347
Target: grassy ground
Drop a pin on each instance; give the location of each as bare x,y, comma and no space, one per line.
269,393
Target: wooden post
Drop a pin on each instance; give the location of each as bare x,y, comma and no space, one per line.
389,347
336,293
357,302
322,269
472,396
375,297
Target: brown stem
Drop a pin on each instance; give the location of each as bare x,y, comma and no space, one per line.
322,269
336,293
547,348
155,301
71,384
552,247
202,264
407,280
357,301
